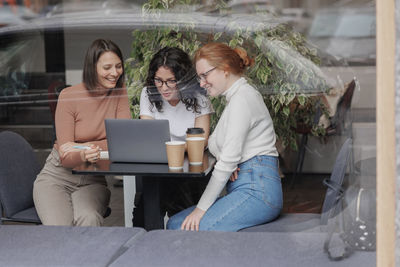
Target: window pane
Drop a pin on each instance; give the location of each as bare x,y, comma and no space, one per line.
314,67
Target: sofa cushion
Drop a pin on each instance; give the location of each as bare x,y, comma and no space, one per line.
181,248
23,245
290,222
26,215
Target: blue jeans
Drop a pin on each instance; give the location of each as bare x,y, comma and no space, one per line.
254,198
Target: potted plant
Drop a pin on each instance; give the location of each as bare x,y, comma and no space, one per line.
285,71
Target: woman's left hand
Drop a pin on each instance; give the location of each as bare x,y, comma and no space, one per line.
91,155
192,221
234,175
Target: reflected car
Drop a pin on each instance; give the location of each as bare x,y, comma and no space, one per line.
51,49
251,6
26,51
14,15
346,33
39,58
346,40
92,5
298,18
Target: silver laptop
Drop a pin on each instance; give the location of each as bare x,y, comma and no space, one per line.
134,140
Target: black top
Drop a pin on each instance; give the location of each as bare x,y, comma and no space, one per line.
195,130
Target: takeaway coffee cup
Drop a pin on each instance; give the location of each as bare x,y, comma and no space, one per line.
175,154
195,148
175,170
195,132
195,168
200,168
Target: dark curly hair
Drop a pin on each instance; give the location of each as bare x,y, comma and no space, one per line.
181,66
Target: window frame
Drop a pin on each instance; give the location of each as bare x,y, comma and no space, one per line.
386,141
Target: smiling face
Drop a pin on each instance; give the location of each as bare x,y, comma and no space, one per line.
213,80
109,69
163,76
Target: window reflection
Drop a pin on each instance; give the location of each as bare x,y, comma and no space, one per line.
337,46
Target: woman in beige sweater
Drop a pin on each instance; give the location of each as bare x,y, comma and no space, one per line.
60,197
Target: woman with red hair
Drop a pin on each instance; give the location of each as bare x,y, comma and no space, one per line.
243,143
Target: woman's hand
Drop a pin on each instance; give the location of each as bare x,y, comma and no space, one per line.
68,147
234,175
91,155
192,221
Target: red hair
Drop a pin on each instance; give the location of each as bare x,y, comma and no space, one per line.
223,57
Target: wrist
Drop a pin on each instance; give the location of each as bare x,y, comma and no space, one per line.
200,209
82,154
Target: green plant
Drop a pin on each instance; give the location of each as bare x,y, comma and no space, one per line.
285,69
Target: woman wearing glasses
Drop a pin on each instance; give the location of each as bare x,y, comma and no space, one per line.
173,93
243,143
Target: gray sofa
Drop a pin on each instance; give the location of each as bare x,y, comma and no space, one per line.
22,245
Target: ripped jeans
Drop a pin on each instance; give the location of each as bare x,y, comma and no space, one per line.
254,198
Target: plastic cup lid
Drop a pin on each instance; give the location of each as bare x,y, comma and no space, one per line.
194,131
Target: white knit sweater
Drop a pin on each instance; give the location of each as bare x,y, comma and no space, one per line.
244,130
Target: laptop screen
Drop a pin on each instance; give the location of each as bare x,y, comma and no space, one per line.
135,140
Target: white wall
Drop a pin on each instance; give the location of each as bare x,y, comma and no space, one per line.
321,154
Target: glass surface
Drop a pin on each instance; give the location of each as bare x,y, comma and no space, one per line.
307,53
344,25
106,167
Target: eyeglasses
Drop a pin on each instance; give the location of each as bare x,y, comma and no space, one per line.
170,83
203,76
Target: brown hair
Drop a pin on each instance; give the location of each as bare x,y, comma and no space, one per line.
223,57
96,49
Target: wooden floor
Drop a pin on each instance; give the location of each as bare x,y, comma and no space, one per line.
116,203
305,195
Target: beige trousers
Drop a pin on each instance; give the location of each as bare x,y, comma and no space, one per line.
63,198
